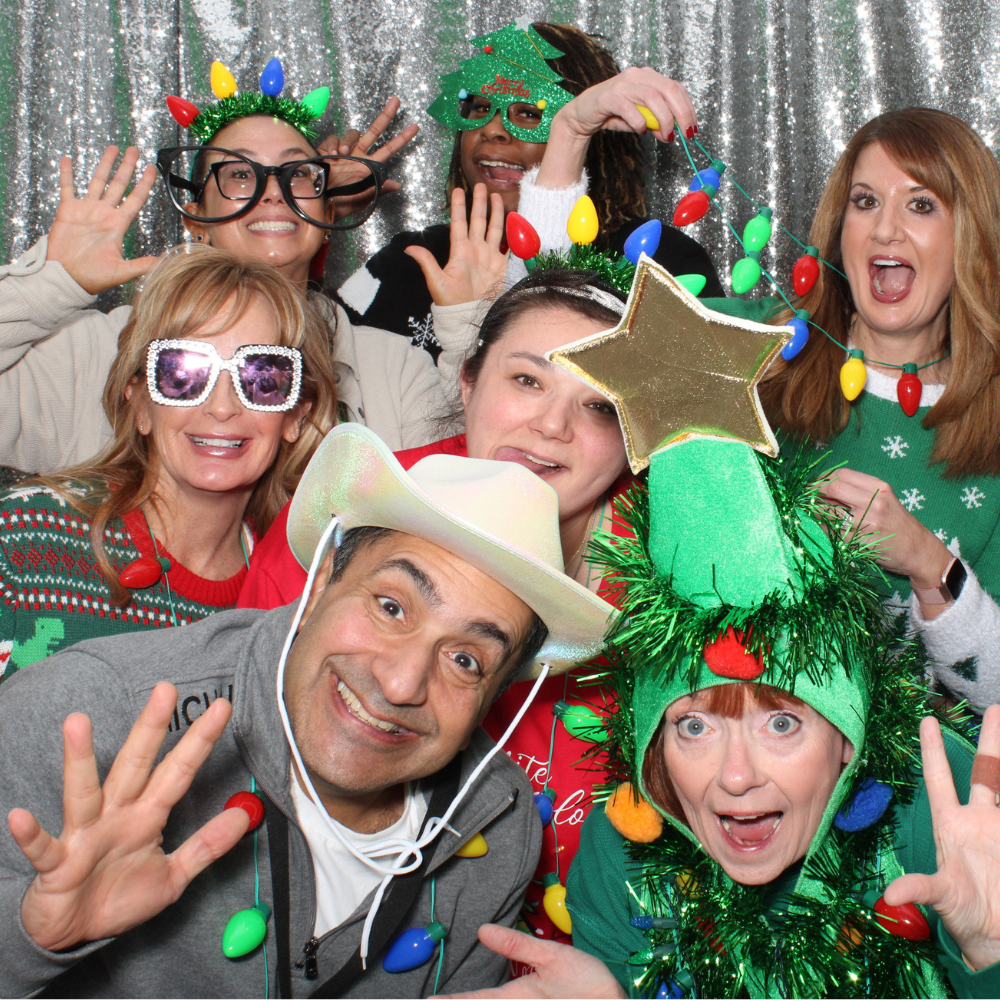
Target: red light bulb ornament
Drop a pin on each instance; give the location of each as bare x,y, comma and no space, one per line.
693,206
522,238
184,112
414,947
746,273
853,375
800,324
904,921
143,572
805,273
909,389
251,804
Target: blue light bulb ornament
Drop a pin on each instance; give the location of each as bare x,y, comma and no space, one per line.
711,175
413,947
545,803
643,240
272,80
676,987
800,324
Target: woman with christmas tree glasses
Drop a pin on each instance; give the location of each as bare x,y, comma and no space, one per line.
580,110
221,389
770,832
55,352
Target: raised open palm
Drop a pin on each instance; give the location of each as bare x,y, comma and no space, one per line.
107,871
964,889
88,233
475,266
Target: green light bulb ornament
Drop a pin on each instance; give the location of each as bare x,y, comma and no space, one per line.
245,930
316,100
580,721
757,231
746,272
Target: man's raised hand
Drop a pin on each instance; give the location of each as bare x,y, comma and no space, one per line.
107,872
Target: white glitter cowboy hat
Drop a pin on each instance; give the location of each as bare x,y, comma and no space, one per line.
498,516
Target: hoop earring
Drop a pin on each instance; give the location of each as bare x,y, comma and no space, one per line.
326,239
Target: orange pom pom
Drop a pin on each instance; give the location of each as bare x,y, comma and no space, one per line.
632,816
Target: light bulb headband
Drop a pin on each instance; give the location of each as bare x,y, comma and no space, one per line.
204,123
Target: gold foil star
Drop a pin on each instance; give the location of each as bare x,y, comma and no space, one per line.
676,370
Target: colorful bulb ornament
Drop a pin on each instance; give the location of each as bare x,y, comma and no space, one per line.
315,101
853,375
757,231
694,283
522,238
249,803
545,803
272,80
694,205
223,82
414,947
652,122
800,324
245,930
583,224
745,273
710,176
475,847
581,721
554,903
676,987
805,272
647,922
643,240
909,389
184,112
904,921
143,572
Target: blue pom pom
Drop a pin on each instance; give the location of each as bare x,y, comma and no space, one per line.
463,94
869,803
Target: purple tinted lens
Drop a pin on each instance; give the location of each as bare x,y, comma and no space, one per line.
266,378
182,375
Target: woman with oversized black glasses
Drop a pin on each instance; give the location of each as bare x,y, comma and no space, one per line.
258,189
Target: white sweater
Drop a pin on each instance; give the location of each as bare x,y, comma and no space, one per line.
55,354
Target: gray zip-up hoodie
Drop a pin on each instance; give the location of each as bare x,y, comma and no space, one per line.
178,952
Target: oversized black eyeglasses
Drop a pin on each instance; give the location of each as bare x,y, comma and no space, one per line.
188,170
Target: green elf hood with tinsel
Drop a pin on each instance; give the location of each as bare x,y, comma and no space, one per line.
762,593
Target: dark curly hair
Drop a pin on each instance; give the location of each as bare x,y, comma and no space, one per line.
615,161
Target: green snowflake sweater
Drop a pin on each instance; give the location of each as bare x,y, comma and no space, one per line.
53,594
880,440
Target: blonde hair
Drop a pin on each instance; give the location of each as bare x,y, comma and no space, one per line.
207,290
946,156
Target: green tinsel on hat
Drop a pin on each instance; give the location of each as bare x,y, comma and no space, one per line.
216,117
612,268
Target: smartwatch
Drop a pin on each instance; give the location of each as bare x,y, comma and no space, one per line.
952,581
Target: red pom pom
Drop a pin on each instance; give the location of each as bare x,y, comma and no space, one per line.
727,656
521,236
691,207
487,49
184,112
909,388
904,921
805,273
250,804
141,573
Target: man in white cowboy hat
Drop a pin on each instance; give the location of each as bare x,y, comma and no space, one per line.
352,718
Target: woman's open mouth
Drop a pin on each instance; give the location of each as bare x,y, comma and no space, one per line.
501,173
538,464
891,278
749,831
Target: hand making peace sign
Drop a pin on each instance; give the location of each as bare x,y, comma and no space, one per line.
964,888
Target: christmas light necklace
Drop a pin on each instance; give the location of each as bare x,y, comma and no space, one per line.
747,271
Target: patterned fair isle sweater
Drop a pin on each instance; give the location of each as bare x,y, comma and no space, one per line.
55,596
882,441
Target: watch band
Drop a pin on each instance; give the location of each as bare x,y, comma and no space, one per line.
952,582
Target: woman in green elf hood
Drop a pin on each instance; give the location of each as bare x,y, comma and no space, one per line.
770,830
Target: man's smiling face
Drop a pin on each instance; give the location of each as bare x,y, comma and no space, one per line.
396,664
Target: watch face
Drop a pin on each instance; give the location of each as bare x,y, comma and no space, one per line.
955,578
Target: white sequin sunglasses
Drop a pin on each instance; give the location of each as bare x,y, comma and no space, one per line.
184,373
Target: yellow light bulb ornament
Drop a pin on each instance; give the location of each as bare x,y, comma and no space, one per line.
853,375
475,847
554,902
651,120
223,82
583,225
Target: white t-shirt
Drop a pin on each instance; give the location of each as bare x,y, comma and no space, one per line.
342,881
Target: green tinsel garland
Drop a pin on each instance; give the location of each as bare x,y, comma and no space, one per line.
217,116
612,268
827,947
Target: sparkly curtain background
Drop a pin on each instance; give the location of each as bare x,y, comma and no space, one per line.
779,88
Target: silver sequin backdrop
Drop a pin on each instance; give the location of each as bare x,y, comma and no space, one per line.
779,87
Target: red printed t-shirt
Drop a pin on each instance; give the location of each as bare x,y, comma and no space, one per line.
276,578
